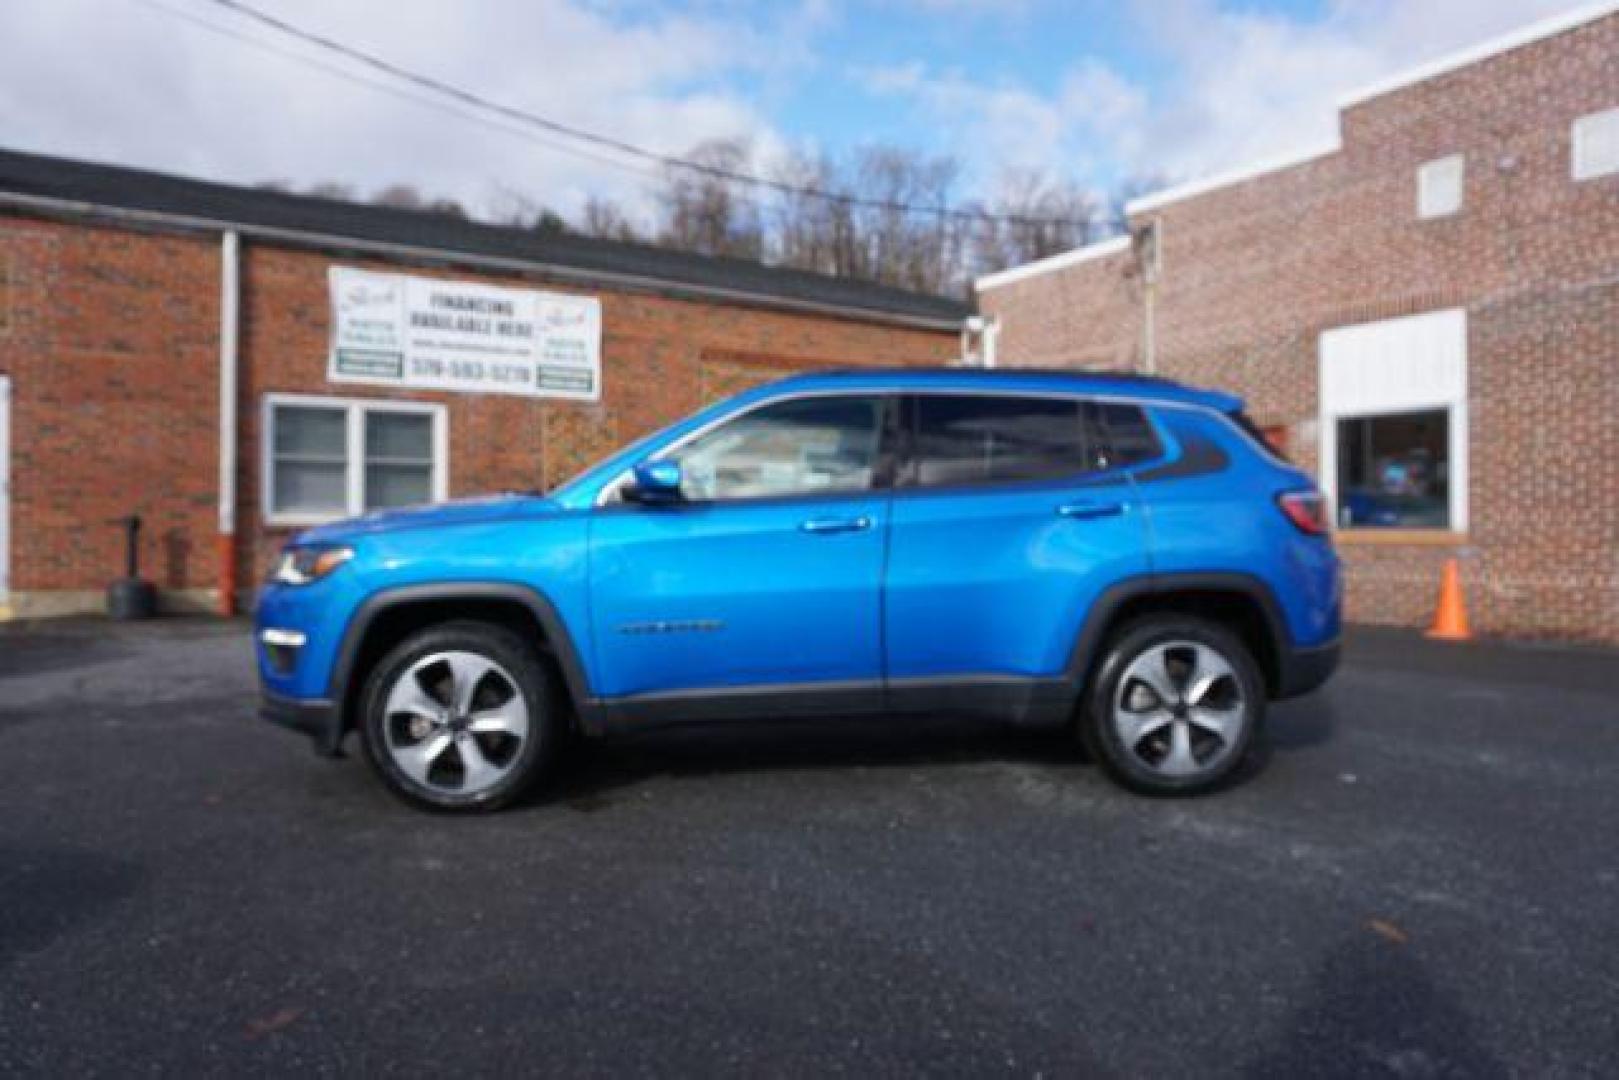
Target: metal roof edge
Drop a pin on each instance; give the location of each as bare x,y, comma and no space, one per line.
1444,65
1113,245
1526,35
74,208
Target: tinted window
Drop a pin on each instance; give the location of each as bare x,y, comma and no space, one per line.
803,446
1129,436
978,440
1270,438
1394,471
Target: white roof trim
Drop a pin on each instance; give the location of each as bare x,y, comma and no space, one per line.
1226,179
1099,250
1525,35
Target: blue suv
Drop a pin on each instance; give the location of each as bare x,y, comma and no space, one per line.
1116,555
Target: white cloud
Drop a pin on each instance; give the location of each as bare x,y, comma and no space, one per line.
1235,85
132,84
1246,85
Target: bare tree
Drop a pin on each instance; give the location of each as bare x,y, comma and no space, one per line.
517,210
907,234
811,231
331,189
400,197
1032,216
709,213
604,218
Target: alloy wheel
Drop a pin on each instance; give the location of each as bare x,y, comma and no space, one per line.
1179,709
455,722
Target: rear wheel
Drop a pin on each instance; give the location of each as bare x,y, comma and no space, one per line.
461,716
1175,706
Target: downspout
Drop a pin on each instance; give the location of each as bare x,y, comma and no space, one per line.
229,339
1149,259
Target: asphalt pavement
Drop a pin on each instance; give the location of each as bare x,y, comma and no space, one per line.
1420,878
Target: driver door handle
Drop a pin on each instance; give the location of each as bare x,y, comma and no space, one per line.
1087,511
821,526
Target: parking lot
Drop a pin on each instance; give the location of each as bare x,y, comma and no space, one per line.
1421,878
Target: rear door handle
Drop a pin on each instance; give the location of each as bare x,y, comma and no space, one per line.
1087,511
836,525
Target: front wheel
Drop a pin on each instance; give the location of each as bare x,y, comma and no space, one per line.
461,716
1175,706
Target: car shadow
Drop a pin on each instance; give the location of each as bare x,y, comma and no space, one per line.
596,769
1292,727
34,653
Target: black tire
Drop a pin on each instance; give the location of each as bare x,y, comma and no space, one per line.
1183,634
520,669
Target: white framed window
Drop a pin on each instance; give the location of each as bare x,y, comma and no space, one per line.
1439,186
1394,423
329,458
1595,150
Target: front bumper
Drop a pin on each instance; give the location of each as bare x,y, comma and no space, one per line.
1304,670
317,718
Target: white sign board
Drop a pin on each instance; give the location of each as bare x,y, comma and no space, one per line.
428,334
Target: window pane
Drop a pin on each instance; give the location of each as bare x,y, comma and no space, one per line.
976,440
1394,471
397,485
1130,438
1439,187
1596,145
303,487
809,445
398,436
304,431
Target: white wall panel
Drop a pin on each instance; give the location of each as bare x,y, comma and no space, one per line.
1398,365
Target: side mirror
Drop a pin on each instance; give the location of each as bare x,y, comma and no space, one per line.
655,482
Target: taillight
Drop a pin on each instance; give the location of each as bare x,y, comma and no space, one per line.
1307,510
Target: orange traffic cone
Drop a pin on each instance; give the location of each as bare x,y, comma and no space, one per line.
1450,621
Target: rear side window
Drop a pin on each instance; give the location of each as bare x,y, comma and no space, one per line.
1128,436
963,439
1260,435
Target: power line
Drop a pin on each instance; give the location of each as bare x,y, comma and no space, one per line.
477,101
393,91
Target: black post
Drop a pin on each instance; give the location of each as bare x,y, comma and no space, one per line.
129,597
132,545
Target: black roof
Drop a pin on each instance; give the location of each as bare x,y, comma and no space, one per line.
112,186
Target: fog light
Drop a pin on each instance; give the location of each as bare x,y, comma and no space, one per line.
281,648
288,639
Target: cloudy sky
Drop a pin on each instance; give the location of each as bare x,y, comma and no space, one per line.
1097,90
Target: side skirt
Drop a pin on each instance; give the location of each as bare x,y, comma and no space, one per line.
1021,701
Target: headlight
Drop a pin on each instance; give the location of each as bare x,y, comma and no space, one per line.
301,565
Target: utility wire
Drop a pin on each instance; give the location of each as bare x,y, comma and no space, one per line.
393,91
477,101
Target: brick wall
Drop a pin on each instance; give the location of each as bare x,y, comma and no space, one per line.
1254,271
111,339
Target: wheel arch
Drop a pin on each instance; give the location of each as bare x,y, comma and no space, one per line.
387,617
1240,602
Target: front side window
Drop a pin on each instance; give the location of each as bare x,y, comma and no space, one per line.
1394,470
803,446
330,459
965,439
